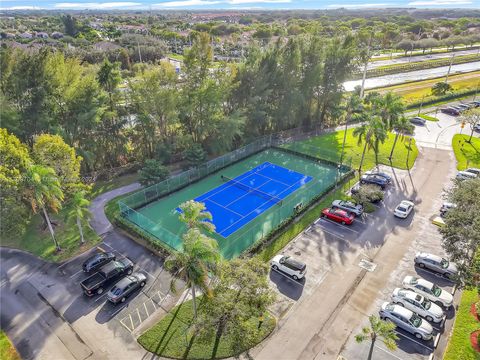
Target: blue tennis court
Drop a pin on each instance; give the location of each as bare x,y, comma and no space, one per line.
241,199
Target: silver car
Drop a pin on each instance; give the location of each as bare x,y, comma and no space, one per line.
126,287
429,290
406,320
436,263
474,171
348,206
465,175
418,304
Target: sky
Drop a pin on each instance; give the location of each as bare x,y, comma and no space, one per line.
231,4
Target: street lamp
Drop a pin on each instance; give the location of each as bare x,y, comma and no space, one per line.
449,68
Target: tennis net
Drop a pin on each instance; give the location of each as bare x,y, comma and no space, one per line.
242,186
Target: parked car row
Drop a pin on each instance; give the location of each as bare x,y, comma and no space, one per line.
106,270
456,110
419,302
468,174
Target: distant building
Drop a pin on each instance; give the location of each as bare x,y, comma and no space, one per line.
41,35
106,46
7,35
57,35
136,29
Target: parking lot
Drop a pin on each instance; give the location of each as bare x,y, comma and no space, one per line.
138,307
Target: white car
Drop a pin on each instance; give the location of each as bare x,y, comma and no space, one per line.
465,175
436,263
292,267
406,320
418,304
474,171
429,290
404,209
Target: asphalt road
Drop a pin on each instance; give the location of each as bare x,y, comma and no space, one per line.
417,58
393,79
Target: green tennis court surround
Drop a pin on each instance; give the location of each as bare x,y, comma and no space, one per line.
154,209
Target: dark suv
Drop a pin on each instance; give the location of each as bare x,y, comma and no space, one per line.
375,179
96,261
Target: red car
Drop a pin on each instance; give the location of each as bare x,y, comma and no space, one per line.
338,215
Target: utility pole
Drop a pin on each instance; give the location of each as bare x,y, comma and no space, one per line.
449,68
476,91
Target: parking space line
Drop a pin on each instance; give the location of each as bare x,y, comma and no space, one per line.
104,243
139,317
145,306
288,277
126,327
118,310
388,352
101,296
340,236
153,303
131,321
145,271
343,226
79,271
415,341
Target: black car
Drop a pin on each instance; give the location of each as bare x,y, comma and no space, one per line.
374,179
96,261
382,174
108,274
417,120
450,111
125,287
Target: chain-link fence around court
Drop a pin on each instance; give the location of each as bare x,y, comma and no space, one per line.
152,208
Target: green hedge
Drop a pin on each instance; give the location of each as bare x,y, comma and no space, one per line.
439,99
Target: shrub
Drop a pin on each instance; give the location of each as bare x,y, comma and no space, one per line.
195,155
477,309
368,194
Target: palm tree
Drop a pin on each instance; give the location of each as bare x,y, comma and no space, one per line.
441,88
378,329
372,133
401,127
353,105
78,210
195,215
198,257
42,190
391,109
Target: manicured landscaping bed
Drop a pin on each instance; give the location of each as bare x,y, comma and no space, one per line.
428,117
7,350
467,154
172,337
329,146
460,346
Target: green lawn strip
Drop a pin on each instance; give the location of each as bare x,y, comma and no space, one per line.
428,117
38,241
7,350
329,146
467,154
103,186
459,346
172,337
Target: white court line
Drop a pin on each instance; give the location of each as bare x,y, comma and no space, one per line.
416,342
343,226
388,352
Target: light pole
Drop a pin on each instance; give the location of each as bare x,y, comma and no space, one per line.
421,105
449,68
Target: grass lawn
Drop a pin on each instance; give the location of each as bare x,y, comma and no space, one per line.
7,350
329,147
171,337
416,91
467,154
101,187
428,117
39,242
459,346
